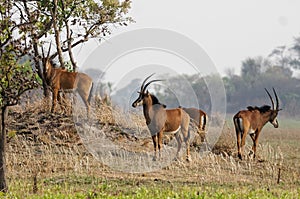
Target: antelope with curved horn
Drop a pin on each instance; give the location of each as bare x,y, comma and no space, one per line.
60,79
252,121
160,120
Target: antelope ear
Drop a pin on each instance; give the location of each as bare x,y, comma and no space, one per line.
147,92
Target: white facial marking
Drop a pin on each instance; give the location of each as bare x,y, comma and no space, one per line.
140,103
275,122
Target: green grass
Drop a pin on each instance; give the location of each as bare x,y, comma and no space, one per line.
92,187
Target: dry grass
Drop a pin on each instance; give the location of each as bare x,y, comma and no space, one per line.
226,144
43,145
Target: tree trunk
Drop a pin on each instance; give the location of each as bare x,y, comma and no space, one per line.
40,68
57,35
69,38
3,185
46,90
70,47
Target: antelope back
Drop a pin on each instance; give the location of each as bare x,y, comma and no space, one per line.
83,83
198,116
194,113
72,80
174,119
65,79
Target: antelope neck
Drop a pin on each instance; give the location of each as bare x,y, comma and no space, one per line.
147,106
146,109
265,117
51,74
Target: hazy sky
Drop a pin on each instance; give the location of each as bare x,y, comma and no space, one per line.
229,31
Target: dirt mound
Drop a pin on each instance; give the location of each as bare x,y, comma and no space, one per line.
40,125
36,123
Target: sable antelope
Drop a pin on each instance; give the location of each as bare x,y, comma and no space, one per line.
160,120
60,79
252,121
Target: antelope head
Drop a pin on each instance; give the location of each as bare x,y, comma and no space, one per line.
274,110
144,96
46,60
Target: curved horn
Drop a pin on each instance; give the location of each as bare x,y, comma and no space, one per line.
49,51
270,98
277,101
43,53
156,80
142,87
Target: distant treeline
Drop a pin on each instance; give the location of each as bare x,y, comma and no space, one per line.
278,70
240,93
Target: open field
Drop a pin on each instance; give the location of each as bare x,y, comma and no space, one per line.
46,159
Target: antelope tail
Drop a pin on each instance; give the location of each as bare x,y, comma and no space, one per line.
90,95
204,122
238,122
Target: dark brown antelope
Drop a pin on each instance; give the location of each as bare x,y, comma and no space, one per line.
252,121
60,79
160,120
